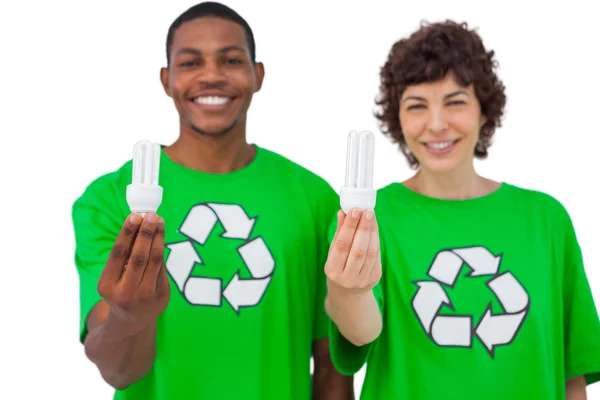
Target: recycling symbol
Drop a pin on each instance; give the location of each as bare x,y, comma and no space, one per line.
204,291
457,330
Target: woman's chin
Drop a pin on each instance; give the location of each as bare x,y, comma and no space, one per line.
440,166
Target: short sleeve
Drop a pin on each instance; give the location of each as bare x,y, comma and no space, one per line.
582,325
347,358
329,208
97,219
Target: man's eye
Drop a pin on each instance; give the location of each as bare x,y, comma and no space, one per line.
188,64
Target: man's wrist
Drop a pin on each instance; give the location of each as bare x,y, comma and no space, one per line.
120,327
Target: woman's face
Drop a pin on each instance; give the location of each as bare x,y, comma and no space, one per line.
441,123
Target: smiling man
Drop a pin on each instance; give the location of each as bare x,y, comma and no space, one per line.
220,294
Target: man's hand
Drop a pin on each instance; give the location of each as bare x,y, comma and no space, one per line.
134,282
135,291
354,263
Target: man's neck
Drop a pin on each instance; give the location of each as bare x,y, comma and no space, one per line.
212,154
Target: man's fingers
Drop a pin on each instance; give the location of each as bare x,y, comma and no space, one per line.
162,282
342,242
140,253
121,249
156,258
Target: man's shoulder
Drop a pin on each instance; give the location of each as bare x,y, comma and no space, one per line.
108,185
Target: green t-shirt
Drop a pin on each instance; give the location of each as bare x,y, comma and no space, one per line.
245,252
484,298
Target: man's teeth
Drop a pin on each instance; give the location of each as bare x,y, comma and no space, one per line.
440,146
211,100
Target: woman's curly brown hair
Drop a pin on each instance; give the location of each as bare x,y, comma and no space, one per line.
428,55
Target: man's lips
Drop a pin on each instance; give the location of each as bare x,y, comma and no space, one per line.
213,102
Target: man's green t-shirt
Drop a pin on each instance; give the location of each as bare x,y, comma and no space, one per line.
484,298
245,253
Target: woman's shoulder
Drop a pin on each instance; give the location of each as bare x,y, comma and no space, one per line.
536,197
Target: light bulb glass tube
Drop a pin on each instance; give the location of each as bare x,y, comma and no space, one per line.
146,163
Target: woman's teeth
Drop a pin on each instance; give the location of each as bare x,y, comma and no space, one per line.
440,145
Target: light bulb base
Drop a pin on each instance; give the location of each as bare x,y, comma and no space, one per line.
144,198
360,198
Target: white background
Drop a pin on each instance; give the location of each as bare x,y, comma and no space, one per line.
80,85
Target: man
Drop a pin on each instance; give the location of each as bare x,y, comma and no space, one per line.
220,294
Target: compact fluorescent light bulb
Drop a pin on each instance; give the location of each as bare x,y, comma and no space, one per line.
144,195
358,191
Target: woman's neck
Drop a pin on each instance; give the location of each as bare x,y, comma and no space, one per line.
452,185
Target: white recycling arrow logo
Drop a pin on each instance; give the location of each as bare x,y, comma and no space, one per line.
182,258
457,330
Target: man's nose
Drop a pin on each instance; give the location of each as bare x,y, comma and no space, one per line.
211,72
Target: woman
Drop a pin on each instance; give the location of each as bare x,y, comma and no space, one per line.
464,287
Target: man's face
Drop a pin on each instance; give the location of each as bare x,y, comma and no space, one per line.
211,77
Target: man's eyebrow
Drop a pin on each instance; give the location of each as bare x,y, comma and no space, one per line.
196,52
188,50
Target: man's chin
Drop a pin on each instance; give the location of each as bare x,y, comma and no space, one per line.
213,130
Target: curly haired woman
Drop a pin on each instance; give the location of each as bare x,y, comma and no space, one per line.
463,287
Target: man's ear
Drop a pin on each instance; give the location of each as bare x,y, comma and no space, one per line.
164,79
259,70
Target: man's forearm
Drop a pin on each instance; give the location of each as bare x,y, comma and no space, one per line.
357,317
122,352
576,388
330,385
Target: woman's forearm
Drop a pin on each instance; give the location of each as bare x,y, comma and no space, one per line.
356,316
